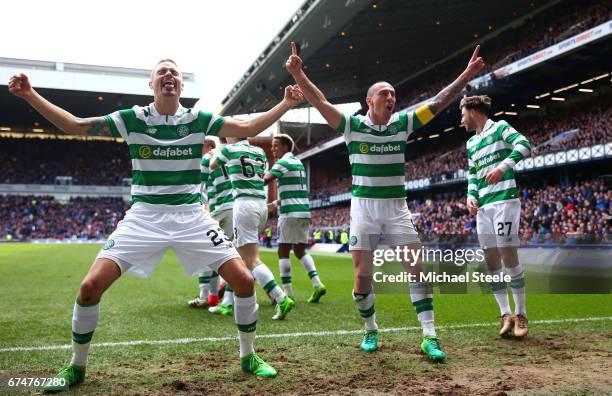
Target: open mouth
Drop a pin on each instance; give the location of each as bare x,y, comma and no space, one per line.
168,84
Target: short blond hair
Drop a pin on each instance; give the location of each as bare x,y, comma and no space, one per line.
286,140
162,61
480,103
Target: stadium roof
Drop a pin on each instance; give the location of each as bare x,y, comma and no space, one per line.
348,45
84,90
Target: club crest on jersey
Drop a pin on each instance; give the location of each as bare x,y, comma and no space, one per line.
182,130
109,244
353,240
144,152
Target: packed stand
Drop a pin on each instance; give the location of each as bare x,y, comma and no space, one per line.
443,163
331,187
579,213
40,161
548,28
594,127
336,216
24,218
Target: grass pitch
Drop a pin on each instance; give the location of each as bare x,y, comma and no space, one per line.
38,285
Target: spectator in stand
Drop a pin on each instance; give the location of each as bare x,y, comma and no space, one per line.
50,158
29,217
545,29
565,213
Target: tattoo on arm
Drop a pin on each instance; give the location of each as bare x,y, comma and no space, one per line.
310,90
447,95
97,126
314,92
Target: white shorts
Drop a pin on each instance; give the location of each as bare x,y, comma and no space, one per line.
141,239
226,221
293,230
373,218
250,217
498,224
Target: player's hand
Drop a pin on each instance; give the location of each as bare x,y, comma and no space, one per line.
494,176
294,63
476,63
472,204
19,85
293,95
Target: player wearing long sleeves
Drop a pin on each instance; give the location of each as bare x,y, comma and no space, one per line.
493,196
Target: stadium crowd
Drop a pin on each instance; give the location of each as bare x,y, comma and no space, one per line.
547,28
570,131
578,212
41,217
553,214
326,187
87,162
594,127
336,216
108,163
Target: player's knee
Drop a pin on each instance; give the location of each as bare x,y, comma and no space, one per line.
244,283
299,251
89,292
283,250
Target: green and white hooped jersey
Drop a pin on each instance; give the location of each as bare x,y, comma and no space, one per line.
497,146
246,165
208,189
293,191
224,196
165,151
376,152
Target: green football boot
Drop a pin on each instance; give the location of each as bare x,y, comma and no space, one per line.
256,365
283,308
227,310
431,347
71,374
369,343
317,293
